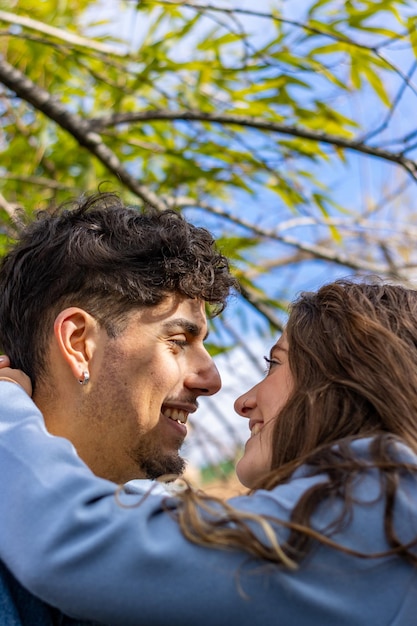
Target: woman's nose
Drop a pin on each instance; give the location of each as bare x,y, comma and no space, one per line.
244,403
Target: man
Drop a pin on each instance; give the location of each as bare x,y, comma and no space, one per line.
103,307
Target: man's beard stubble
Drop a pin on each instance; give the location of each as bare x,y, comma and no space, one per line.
154,463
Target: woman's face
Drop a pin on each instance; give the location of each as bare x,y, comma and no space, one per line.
261,405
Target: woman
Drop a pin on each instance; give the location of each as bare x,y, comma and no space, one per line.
328,534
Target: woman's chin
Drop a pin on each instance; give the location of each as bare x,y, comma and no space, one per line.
245,472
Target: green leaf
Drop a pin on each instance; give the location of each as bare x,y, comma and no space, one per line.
377,84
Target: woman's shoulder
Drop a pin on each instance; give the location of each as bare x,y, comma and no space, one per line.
363,474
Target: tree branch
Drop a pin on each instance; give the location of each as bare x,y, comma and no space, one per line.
41,181
76,126
260,124
406,82
198,6
58,33
260,306
316,251
12,212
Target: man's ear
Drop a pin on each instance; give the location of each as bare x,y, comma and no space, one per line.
75,332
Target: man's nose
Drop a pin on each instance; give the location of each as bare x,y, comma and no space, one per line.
205,379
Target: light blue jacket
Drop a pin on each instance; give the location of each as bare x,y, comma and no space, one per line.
66,537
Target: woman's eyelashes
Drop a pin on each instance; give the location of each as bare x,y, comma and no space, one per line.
270,363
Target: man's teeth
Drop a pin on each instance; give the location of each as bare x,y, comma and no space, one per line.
177,415
256,429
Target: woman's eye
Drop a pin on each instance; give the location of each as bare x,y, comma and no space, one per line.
270,363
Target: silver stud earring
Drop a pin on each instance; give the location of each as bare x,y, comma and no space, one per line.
85,378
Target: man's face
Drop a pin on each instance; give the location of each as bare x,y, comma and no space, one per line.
143,384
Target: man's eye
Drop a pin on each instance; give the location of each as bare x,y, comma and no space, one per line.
179,342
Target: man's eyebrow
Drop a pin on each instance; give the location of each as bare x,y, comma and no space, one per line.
182,323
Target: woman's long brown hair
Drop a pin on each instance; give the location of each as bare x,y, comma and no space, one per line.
353,358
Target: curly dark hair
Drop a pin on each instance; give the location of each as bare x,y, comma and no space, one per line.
108,258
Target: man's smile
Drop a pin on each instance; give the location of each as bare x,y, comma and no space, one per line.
178,415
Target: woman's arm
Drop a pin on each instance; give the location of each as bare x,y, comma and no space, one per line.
67,539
